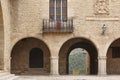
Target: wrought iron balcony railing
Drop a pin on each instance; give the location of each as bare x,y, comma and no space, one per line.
57,26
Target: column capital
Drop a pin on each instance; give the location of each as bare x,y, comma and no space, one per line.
102,58
54,58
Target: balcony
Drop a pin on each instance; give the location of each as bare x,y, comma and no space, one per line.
58,26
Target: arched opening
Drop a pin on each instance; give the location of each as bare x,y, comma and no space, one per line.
78,62
1,38
36,58
76,43
113,58
30,56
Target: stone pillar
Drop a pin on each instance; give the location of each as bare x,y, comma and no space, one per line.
54,66
7,23
102,65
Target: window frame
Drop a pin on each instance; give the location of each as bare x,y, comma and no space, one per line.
116,52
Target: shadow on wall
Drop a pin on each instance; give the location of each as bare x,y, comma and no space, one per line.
113,58
1,39
23,58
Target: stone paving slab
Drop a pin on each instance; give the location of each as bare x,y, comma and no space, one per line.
68,78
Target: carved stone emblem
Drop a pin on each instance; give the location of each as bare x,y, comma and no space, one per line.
102,7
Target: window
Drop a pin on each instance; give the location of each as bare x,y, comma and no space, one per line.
116,52
58,10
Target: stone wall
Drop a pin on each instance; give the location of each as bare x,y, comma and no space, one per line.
27,19
88,18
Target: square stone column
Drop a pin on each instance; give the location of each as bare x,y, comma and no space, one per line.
7,42
7,64
102,65
54,66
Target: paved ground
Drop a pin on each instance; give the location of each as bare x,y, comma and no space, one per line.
37,77
8,76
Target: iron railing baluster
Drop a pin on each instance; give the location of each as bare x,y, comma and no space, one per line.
62,26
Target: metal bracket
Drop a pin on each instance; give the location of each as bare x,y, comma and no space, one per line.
104,29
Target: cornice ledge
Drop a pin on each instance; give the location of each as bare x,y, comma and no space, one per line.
102,18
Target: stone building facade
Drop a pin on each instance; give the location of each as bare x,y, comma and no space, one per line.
91,24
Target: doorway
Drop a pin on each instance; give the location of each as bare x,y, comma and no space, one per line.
79,62
65,53
36,58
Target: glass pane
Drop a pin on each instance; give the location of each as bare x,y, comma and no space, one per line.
58,11
64,3
52,3
64,10
51,17
58,3
52,11
64,18
58,18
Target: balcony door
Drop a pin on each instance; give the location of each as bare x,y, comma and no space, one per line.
58,10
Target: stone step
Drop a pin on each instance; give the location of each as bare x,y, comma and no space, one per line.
12,78
5,77
36,77
3,74
8,76
34,73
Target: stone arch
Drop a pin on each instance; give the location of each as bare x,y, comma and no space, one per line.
1,37
73,43
20,56
113,57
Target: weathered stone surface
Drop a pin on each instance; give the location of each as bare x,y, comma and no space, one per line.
23,18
